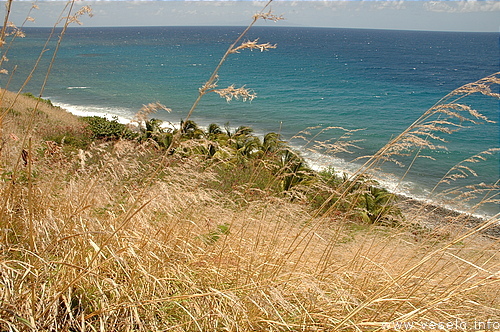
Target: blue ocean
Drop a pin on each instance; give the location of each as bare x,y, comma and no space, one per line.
317,85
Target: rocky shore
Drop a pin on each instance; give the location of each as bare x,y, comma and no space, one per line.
434,216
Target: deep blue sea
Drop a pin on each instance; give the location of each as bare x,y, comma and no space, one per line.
379,81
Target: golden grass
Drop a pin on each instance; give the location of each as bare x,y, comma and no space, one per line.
111,254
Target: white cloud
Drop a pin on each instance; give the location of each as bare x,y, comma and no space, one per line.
466,6
381,5
437,6
480,6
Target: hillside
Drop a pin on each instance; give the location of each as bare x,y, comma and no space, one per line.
124,234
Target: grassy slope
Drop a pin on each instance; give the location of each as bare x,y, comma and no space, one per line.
118,236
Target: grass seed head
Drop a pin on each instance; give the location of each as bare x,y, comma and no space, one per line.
231,93
252,45
268,16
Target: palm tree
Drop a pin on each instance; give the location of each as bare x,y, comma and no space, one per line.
153,127
189,129
243,142
272,143
377,205
214,130
243,131
292,170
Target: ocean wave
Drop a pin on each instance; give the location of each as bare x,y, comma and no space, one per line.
122,115
90,110
77,87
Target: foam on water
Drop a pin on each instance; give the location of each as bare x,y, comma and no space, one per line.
108,113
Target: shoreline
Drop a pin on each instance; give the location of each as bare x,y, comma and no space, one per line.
433,216
438,210
342,167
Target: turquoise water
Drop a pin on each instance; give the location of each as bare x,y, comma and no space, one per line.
376,80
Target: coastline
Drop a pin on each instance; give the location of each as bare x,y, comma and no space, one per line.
386,181
433,216
344,98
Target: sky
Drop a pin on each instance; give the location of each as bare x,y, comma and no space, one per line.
447,15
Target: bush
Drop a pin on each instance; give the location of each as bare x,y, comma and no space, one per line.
103,128
46,101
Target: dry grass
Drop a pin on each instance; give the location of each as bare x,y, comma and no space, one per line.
109,254
120,237
113,249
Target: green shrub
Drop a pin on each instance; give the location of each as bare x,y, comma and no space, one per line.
377,205
103,128
46,101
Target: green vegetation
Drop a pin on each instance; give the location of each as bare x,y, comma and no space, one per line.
243,159
103,128
43,100
215,235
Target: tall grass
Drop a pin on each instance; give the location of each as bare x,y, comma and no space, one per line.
123,235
